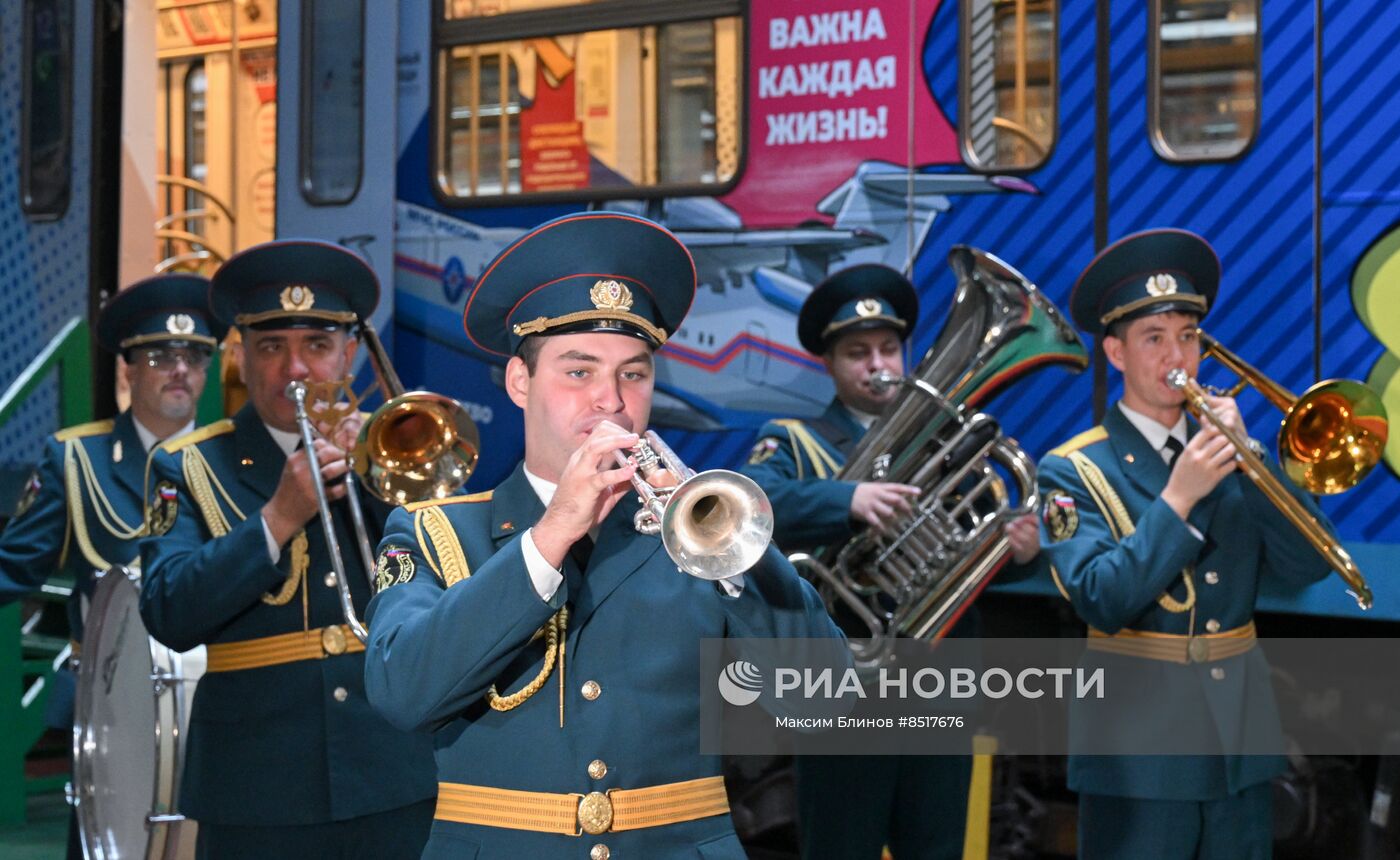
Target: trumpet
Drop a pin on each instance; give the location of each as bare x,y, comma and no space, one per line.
714,524
1273,489
417,445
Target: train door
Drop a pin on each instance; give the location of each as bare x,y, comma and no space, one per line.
336,136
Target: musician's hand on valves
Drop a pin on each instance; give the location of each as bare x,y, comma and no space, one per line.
878,504
1204,463
1229,413
590,486
294,504
1024,536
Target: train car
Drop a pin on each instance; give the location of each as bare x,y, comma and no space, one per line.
780,141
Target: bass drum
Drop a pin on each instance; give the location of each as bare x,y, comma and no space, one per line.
129,726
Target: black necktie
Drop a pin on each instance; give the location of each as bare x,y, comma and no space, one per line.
1174,447
581,551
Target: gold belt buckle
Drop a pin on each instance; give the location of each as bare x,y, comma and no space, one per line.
333,640
1198,650
595,813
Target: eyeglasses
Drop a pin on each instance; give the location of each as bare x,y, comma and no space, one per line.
167,359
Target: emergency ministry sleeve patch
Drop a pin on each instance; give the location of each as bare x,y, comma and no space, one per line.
762,450
1060,515
165,506
31,492
395,567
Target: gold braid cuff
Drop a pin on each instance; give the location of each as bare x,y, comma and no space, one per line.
1113,509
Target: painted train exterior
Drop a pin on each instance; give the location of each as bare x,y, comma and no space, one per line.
833,132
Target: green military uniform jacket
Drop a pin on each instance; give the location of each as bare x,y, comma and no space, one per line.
295,743
459,614
1122,577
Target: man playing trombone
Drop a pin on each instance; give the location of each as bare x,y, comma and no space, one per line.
551,648
1160,545
285,758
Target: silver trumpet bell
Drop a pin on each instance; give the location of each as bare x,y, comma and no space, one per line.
714,524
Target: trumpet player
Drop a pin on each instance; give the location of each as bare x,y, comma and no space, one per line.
285,758
550,646
857,322
1160,545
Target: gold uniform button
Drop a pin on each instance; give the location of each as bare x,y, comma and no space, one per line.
1217,673
591,690
597,768
1212,626
1212,578
599,852
330,580
341,694
333,640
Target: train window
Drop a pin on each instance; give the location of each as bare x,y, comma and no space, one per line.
557,108
1008,84
332,97
452,9
1204,67
46,118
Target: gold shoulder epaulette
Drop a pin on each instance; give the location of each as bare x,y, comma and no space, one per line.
78,431
450,500
197,435
1083,440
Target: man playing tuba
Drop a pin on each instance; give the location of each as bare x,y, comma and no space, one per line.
1160,544
857,321
285,756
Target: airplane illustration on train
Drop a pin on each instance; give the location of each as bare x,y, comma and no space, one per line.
736,360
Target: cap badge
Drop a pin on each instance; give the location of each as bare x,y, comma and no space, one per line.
297,297
1161,284
179,324
868,307
609,295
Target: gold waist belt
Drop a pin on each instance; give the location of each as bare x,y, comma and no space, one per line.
1174,647
284,648
576,814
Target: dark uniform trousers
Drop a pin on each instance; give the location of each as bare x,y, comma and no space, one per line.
852,806
460,615
279,754
1127,580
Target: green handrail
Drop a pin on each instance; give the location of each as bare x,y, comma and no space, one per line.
22,710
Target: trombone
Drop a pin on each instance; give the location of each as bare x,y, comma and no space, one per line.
1331,438
417,445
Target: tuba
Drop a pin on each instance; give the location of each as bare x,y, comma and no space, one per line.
417,445
917,577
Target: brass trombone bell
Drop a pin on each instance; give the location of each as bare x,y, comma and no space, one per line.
1331,436
419,445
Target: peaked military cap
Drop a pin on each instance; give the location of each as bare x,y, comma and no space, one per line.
294,283
857,299
165,309
590,271
1151,272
